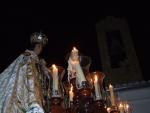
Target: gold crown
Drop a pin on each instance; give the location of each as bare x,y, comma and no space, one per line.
39,38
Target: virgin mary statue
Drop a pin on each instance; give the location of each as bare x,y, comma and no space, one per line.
20,83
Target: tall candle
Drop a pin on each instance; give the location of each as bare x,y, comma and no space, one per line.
71,94
55,77
79,73
121,108
97,89
74,59
76,65
112,97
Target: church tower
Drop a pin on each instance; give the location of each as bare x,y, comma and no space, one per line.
118,56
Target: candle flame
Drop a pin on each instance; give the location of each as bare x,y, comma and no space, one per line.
74,48
120,105
110,86
108,109
54,66
96,79
127,106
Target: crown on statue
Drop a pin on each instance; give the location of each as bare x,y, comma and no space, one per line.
39,38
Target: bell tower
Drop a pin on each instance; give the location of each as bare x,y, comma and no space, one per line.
118,56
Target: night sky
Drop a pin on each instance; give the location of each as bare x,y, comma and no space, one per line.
65,31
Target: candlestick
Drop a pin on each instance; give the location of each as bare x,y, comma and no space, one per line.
55,77
112,97
71,94
97,89
121,108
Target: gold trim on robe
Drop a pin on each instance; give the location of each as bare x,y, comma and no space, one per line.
20,88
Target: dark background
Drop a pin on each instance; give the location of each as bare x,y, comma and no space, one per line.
65,30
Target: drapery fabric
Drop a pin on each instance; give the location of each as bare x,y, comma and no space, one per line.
20,87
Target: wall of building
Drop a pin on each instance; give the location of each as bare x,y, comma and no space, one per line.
117,53
138,97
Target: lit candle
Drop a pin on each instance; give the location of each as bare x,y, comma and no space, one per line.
108,109
74,54
76,66
112,97
121,108
55,77
127,108
71,94
97,89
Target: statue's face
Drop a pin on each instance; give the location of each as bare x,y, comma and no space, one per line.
38,48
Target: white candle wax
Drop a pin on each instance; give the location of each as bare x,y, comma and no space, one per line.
79,73
97,89
112,97
121,108
71,94
76,66
55,77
